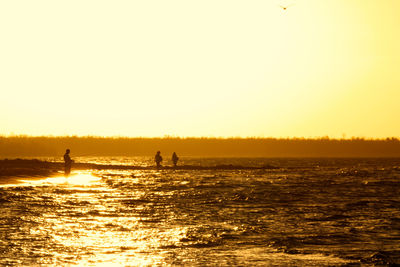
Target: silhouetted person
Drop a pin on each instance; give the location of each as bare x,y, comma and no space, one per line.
175,159
158,158
68,162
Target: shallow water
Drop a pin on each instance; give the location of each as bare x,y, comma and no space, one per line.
307,212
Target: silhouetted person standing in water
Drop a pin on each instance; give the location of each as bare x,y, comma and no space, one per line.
175,159
68,162
158,158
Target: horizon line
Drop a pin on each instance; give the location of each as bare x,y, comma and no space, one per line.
326,137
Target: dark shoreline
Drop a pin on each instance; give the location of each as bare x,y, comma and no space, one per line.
12,169
38,168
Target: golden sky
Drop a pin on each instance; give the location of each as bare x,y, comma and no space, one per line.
200,68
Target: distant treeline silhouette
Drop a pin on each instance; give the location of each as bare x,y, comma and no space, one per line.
26,146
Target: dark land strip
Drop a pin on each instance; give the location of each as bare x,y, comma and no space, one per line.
36,168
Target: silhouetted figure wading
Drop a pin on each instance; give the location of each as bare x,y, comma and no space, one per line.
175,159
68,162
158,159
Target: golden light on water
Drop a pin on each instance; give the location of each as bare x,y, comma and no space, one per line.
90,225
83,179
157,217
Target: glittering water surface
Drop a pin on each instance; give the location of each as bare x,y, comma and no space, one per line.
310,212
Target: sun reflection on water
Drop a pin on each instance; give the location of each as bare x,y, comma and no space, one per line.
116,241
197,218
95,224
83,179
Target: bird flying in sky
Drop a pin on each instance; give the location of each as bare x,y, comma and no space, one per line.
285,7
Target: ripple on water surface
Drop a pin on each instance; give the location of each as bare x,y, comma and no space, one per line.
312,213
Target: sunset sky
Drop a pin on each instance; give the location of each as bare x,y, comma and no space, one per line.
217,68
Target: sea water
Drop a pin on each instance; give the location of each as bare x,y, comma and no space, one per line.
304,212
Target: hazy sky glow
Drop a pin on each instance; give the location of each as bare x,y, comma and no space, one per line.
200,68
